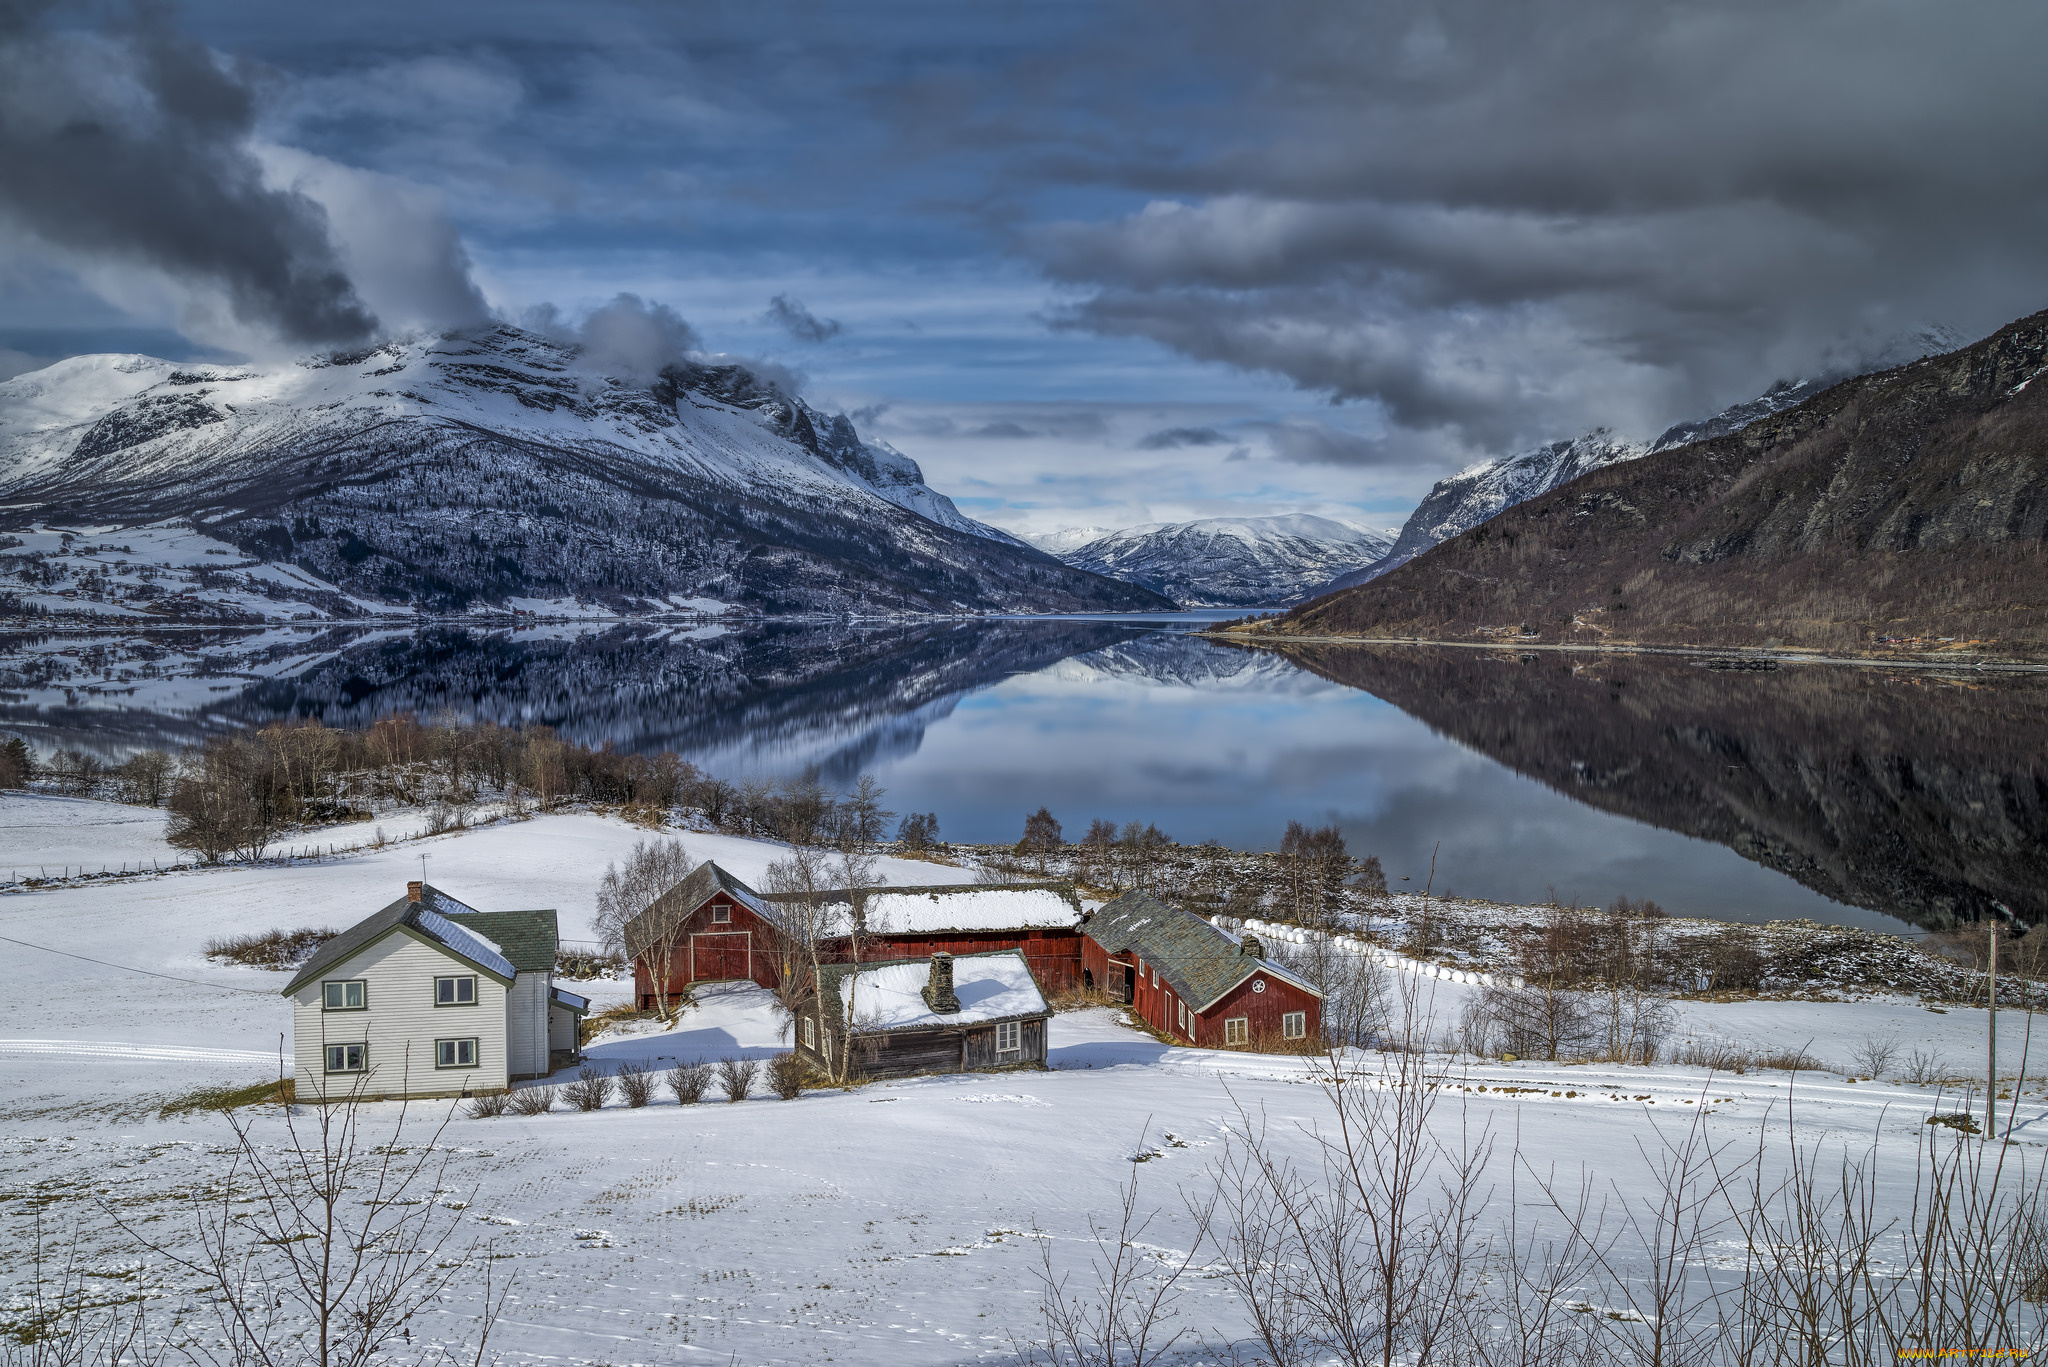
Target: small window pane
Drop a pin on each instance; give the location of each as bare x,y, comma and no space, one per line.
1236,1030
1006,1037
444,991
1294,1025
721,913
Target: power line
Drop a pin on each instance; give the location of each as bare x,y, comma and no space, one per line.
147,973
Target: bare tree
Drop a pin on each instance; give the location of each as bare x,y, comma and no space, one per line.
1125,1318
325,1247
634,916
1042,838
861,816
1366,1255
802,917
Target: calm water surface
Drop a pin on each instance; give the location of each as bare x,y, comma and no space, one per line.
1855,796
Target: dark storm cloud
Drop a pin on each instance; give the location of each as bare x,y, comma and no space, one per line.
1171,438
1313,443
799,322
1503,221
132,148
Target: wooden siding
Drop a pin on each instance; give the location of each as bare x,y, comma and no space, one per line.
947,1049
1053,955
526,1026
755,953
400,1025
1262,1011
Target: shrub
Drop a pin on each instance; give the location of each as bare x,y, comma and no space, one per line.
737,1075
1719,1055
270,948
689,1081
1873,1057
636,1083
786,1075
1791,1060
532,1101
1924,1068
487,1105
591,1089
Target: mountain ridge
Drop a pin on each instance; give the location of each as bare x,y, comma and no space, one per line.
1898,507
1228,562
463,469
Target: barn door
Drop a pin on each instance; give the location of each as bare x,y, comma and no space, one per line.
716,958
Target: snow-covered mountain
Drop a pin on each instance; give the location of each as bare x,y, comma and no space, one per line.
1068,539
486,467
1230,561
1458,504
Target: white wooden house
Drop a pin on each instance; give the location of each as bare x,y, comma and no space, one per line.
430,997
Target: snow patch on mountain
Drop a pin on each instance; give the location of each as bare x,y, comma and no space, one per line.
1230,561
439,472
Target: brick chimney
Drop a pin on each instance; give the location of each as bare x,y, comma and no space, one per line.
938,993
1251,947
412,891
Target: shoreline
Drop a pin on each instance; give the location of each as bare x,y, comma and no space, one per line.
1775,654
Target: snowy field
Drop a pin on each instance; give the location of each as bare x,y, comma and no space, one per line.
896,1223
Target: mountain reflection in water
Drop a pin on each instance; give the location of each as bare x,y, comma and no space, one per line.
1740,795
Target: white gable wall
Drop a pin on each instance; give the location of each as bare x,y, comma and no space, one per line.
402,1023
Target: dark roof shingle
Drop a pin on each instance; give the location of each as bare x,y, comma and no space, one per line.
1200,961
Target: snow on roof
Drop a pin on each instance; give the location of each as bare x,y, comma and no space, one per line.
990,987
465,942
970,908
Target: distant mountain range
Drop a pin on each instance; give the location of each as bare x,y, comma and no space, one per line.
491,469
1228,562
1900,508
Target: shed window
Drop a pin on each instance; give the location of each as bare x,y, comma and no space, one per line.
810,1033
347,1058
1007,1037
455,1053
1294,1025
1183,1017
1236,1029
455,991
721,912
352,996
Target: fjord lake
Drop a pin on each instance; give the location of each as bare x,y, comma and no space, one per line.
1875,796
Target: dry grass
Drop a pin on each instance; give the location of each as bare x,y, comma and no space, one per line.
273,1092
1079,998
598,1022
270,948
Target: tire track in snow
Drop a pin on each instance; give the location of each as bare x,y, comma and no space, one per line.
130,1053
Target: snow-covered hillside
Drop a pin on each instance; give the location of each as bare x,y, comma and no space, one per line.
1458,504
1228,561
442,472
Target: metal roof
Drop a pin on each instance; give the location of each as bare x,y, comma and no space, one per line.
1198,960
680,903
429,918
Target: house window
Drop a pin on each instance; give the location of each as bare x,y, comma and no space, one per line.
1237,1030
810,1033
1155,977
455,1053
721,913
347,1058
455,991
1294,1025
1007,1037
1183,1017
353,996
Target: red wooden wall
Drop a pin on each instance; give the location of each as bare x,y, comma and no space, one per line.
708,950
1054,955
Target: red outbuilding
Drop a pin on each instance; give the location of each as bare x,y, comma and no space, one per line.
710,927
1193,981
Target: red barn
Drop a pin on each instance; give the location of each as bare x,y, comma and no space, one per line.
1192,981
710,927
1041,919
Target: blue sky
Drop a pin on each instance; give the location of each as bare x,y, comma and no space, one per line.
1340,250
